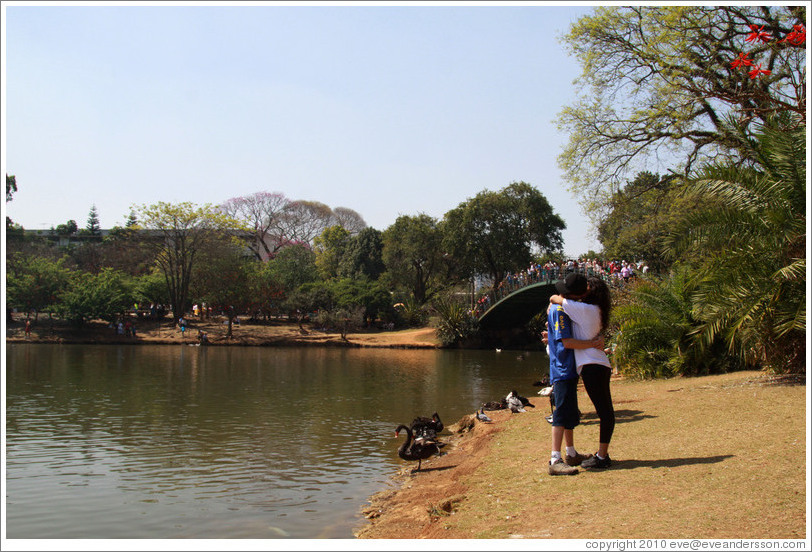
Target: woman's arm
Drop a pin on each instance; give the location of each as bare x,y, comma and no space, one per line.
572,343
557,299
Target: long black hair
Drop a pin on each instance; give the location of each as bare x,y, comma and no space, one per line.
598,294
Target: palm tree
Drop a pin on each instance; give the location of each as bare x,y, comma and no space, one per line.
751,237
655,327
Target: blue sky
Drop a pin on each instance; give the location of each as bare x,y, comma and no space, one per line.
385,109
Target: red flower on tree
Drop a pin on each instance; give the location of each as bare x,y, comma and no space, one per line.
741,61
797,37
758,34
758,71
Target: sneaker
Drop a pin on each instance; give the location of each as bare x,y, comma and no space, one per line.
595,462
560,468
577,459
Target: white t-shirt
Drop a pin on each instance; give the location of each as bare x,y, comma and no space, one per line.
586,324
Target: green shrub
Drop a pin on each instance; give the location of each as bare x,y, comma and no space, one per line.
657,332
456,323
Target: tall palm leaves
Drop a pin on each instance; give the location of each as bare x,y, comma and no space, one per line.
656,327
751,239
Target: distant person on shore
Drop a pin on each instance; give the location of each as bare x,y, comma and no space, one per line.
590,316
564,379
27,328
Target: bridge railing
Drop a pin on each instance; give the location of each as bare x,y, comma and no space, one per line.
514,282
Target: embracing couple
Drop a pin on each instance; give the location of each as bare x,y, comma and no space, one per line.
575,319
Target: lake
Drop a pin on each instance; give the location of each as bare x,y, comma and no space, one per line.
159,441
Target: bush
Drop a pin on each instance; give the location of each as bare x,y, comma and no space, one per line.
343,320
104,295
456,322
657,332
411,314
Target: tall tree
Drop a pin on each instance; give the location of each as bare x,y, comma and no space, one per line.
641,216
350,220
105,295
329,248
294,266
11,187
180,231
302,221
363,256
132,220
34,283
67,229
93,226
413,255
261,213
498,232
660,82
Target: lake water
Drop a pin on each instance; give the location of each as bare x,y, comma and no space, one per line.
165,442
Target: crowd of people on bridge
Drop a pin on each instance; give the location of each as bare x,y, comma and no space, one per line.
611,271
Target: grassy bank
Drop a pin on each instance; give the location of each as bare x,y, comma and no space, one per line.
711,457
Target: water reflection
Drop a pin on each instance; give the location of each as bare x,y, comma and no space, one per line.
221,442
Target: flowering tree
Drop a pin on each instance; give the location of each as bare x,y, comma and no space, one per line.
787,80
658,90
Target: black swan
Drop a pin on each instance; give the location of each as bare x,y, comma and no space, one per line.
415,450
427,428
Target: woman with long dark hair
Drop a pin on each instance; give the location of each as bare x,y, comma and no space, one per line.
590,317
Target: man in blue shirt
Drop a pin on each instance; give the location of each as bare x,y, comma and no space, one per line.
564,378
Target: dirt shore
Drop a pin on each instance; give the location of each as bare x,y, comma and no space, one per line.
692,458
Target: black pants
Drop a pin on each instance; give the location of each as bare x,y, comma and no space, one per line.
596,382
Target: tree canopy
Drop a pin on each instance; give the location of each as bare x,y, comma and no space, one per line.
659,86
363,255
413,255
182,231
498,232
641,216
329,248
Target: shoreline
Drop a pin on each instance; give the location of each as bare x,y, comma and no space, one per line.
265,334
671,477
